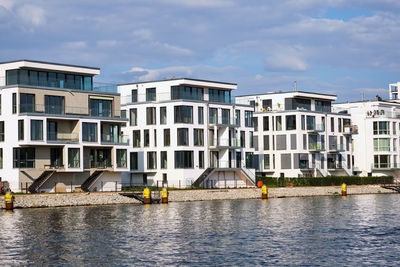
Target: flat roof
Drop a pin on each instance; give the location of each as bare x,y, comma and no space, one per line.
286,92
52,63
368,101
175,79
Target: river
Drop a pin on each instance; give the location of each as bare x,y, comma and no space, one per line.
358,230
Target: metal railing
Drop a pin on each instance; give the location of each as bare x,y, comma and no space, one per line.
57,136
385,165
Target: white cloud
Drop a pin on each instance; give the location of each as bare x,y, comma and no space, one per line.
200,3
7,4
32,15
144,34
163,73
283,58
258,77
75,45
106,43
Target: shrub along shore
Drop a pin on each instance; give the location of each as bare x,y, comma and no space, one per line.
109,198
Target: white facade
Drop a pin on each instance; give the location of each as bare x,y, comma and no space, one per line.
297,134
186,131
57,130
376,144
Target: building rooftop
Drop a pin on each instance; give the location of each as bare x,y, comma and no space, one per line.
299,93
177,79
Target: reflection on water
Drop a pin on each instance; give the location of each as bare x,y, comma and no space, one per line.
292,231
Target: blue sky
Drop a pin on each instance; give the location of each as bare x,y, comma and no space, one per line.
344,47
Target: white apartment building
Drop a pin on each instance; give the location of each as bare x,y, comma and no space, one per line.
187,132
376,144
296,134
59,131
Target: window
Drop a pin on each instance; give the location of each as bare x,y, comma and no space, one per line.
200,115
146,138
100,107
382,144
163,159
151,115
2,131
134,97
217,95
198,137
54,104
251,139
266,142
332,125
266,123
136,138
304,141
278,121
183,137
291,122
26,103
212,116
183,114
14,103
163,115
303,122
267,104
155,137
24,157
201,159
323,106
73,158
121,158
151,94
381,127
187,92
20,129
242,139
183,159
133,117
248,118
381,161
151,160
167,137
339,125
249,160
297,103
310,122
266,162
89,132
226,116
134,161
1,158
0,104
255,123
237,117
36,130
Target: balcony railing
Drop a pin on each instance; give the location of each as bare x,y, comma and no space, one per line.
317,128
337,147
316,146
115,139
70,110
386,166
348,130
224,142
100,164
62,137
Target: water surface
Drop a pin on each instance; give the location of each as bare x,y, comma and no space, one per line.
358,230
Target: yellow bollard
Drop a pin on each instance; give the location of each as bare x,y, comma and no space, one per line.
9,199
164,196
264,192
146,196
344,190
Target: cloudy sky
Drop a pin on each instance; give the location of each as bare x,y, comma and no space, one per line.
343,47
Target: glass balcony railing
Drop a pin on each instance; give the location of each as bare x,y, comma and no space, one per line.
62,137
70,110
386,165
115,139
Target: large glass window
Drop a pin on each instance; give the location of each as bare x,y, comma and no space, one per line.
26,103
146,138
226,116
198,137
14,103
249,160
291,122
381,144
242,138
151,115
73,158
183,136
133,117
381,127
187,92
24,157
217,95
183,114
237,117
248,118
266,123
183,159
212,115
20,129
150,94
1,158
151,160
136,138
54,104
134,161
163,115
100,108
167,137
134,97
201,159
121,158
310,122
267,104
2,131
267,164
89,132
297,103
200,115
36,130
163,159
278,121
323,106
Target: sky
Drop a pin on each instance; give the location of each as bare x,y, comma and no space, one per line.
342,47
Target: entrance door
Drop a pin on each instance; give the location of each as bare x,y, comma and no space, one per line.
56,157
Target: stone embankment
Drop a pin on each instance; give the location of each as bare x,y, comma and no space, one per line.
80,199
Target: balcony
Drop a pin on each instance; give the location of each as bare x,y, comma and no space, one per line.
57,137
317,128
223,122
349,130
224,143
61,111
385,166
336,148
316,147
107,139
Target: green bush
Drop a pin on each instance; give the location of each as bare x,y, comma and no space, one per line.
325,181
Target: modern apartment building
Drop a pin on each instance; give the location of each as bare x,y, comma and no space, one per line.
376,144
59,131
297,134
187,132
